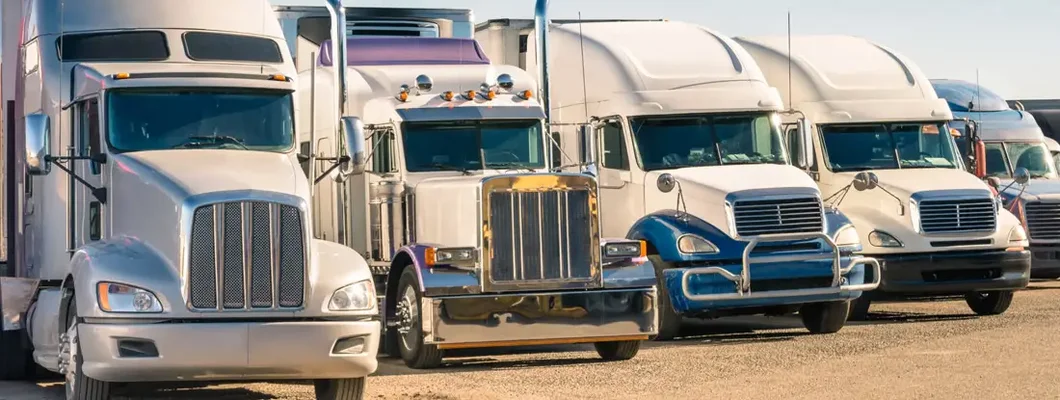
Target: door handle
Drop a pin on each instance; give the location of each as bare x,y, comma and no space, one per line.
624,183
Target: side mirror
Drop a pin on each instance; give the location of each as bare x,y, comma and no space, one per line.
866,180
588,139
1021,175
353,132
38,144
804,157
666,183
979,168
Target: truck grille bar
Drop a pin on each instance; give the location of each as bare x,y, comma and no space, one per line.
246,255
950,216
778,216
1043,220
540,236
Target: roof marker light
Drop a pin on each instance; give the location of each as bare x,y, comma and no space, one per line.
448,95
491,94
526,95
403,93
121,75
470,95
278,77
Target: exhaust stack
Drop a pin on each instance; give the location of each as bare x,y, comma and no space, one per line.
541,28
338,48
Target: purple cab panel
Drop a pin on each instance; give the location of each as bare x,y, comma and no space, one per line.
407,51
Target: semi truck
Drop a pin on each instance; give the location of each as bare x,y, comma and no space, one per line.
473,240
685,140
1013,151
878,124
161,226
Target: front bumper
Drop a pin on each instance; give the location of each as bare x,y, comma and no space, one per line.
1045,260
228,351
953,273
513,319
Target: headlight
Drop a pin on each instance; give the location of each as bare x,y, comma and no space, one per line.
693,244
356,297
119,298
454,256
1017,234
883,239
625,249
847,236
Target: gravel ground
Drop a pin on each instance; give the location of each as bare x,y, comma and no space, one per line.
922,350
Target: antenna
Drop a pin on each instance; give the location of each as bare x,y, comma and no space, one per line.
789,59
585,91
978,96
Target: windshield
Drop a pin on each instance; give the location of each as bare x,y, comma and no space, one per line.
668,142
1003,158
888,146
157,120
471,145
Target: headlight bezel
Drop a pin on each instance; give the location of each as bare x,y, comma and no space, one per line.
630,249
851,233
451,256
349,291
122,298
689,243
878,238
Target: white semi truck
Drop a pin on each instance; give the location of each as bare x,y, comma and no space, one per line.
691,161
162,224
877,124
473,240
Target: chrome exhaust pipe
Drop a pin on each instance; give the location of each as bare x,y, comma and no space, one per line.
541,28
338,59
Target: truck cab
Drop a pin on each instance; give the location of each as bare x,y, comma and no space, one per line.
473,240
688,150
164,221
885,156
1014,152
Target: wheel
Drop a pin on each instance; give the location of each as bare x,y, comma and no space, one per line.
339,389
414,352
825,317
78,386
617,351
669,320
989,303
859,309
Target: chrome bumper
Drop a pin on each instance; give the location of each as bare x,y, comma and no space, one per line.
539,318
743,280
229,351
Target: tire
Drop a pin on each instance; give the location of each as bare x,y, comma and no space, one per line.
16,354
669,320
989,303
339,389
859,309
617,351
78,386
414,352
828,317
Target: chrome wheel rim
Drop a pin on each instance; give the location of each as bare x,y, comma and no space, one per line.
68,360
407,312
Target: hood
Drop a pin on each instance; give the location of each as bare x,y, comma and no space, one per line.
191,172
905,182
705,188
1036,189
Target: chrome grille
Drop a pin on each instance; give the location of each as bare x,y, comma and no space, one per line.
957,215
540,235
1043,220
246,255
778,216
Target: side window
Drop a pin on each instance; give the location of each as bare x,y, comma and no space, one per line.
557,150
383,151
90,141
614,147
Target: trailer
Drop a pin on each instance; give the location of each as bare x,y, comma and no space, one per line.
1015,153
473,240
690,159
879,128
159,226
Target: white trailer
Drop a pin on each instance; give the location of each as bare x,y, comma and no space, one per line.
878,125
473,240
162,228
691,160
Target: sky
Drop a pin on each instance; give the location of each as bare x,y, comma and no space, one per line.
1011,43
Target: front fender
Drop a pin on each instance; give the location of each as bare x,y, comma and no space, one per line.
334,266
436,281
126,260
663,228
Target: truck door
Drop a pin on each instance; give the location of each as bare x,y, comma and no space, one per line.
621,200
88,214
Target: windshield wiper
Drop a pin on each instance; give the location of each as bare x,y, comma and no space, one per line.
194,141
447,167
509,165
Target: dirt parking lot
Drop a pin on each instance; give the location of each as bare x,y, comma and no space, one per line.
927,350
